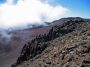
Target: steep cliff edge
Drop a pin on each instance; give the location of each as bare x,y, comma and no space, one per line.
65,45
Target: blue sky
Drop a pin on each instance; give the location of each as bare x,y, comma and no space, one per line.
2,1
77,7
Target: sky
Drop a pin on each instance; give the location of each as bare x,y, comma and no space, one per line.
14,13
78,7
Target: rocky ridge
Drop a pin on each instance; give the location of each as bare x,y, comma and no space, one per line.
65,45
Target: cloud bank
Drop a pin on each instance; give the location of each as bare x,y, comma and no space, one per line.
14,13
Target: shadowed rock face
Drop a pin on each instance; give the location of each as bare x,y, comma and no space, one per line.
9,51
62,46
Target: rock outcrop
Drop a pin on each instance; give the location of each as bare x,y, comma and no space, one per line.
65,45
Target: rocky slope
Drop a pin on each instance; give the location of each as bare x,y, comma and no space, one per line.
64,45
11,43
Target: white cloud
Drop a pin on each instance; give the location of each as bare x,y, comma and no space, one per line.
29,12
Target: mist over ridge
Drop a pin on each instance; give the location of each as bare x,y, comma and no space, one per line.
15,13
